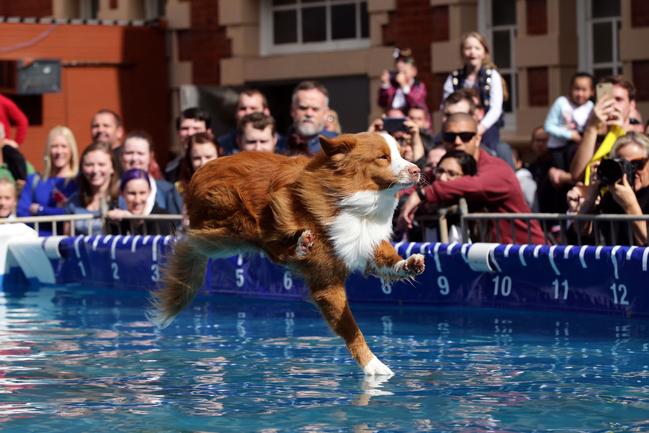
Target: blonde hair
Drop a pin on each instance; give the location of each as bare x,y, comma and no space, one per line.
487,62
483,41
67,134
637,138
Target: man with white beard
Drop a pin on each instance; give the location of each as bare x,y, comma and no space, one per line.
309,109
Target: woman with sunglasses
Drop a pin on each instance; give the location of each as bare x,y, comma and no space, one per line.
624,195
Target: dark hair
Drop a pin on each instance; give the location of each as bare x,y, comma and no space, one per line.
581,74
194,113
466,161
258,120
117,117
403,55
310,85
467,95
619,81
85,189
131,174
143,135
186,167
253,92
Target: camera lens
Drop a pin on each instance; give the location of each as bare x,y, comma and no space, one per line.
609,171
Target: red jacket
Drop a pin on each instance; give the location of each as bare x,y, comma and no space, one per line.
10,115
494,187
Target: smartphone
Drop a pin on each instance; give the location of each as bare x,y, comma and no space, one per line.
394,124
604,89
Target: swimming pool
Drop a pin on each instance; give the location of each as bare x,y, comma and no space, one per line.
78,358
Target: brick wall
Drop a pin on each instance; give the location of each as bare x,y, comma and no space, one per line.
537,17
538,86
26,8
205,43
415,25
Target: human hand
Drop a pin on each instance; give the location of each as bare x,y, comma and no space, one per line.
623,194
33,208
481,129
117,214
413,129
575,136
554,176
575,197
602,111
408,210
376,126
385,78
401,79
9,142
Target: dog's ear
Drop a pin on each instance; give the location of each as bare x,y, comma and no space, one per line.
341,144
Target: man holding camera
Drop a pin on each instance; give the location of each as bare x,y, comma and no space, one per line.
625,176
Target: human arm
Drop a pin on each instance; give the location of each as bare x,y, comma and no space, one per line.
559,177
495,102
554,121
418,150
16,117
448,89
598,117
624,196
386,91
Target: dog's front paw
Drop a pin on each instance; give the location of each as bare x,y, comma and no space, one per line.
377,368
304,244
412,266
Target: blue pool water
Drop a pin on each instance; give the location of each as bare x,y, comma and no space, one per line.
78,359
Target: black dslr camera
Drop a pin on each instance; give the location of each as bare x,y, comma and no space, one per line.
611,170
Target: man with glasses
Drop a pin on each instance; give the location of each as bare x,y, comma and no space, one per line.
494,186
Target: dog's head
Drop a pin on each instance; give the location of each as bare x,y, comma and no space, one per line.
369,162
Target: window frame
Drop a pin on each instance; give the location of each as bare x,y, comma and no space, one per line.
486,28
268,47
585,22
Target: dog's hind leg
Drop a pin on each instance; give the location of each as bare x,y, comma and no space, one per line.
182,277
332,301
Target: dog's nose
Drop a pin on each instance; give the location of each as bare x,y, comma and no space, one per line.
414,171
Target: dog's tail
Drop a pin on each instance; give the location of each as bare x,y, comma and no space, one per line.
182,277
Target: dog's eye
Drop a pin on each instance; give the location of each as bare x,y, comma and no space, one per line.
386,157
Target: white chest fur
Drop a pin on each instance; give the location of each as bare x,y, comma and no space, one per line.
364,221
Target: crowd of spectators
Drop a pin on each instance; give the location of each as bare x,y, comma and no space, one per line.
589,155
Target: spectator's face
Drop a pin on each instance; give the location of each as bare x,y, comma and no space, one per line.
7,199
473,52
136,154
308,112
60,153
260,140
581,90
135,194
622,103
407,69
104,128
97,168
419,118
638,155
434,155
540,141
250,104
635,120
190,127
462,135
448,169
202,153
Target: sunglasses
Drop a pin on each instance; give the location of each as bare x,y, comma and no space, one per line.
639,163
449,137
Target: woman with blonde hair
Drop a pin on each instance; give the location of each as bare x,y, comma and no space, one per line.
479,72
47,193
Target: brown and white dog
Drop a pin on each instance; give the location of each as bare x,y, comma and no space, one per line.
324,217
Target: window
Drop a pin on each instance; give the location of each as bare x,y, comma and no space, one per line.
88,9
598,28
291,26
498,25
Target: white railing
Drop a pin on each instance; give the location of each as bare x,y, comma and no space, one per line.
65,224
